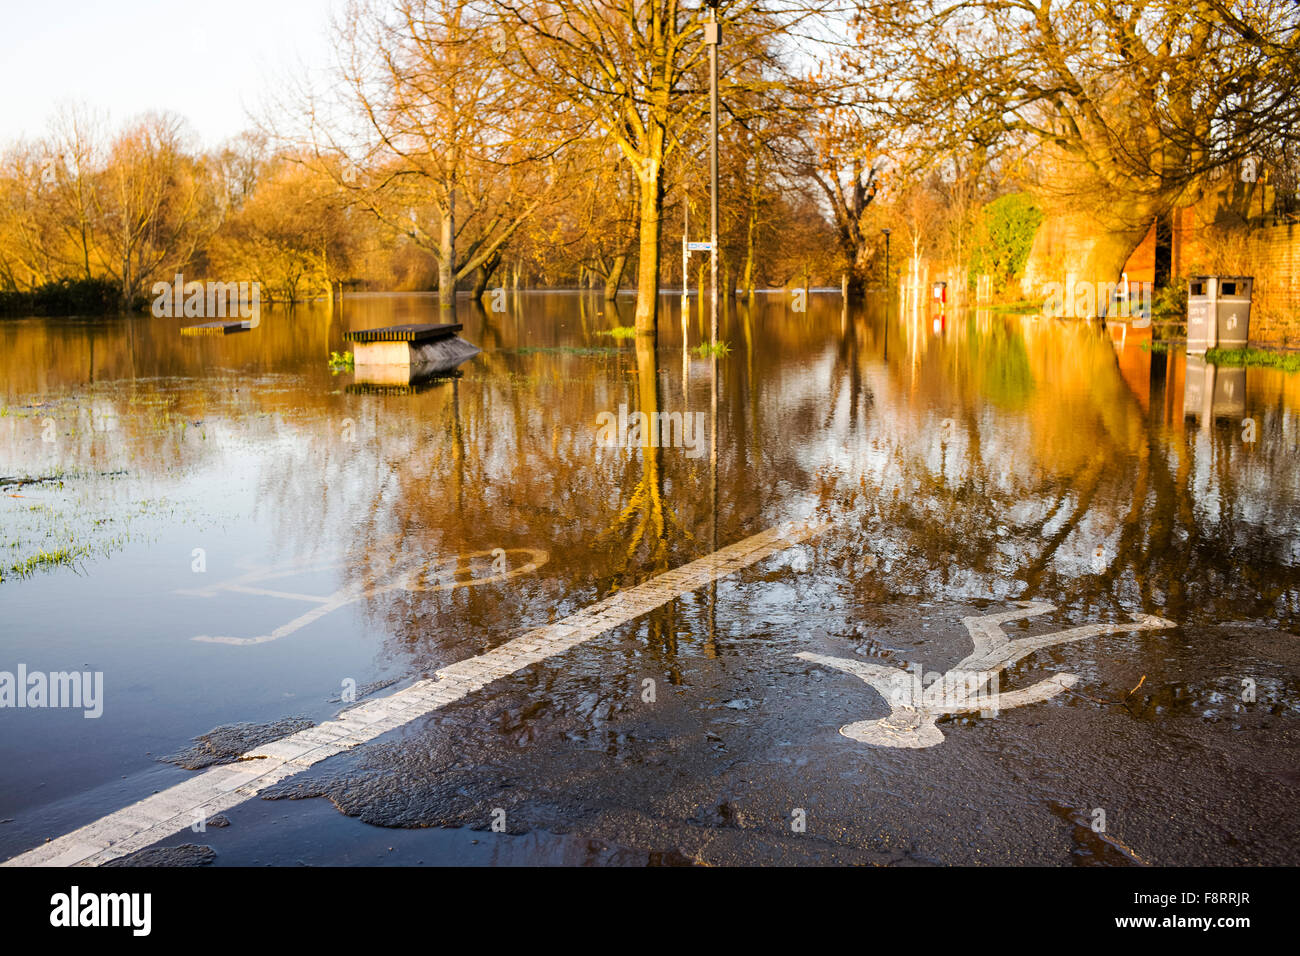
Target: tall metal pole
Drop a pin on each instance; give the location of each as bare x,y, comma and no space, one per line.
713,36
887,277
686,255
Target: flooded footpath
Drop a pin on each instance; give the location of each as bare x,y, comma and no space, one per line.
959,589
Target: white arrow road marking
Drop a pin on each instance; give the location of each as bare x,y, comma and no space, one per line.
220,788
914,710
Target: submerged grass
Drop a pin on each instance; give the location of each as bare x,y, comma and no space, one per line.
621,332
1156,346
705,349
1257,358
1022,306
341,363
56,526
568,350
41,561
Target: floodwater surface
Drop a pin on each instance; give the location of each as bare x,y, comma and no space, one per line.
233,533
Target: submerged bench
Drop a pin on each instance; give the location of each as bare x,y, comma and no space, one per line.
397,353
415,386
405,333
215,328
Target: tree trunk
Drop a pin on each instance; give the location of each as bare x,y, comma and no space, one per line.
447,257
651,222
614,278
750,240
860,272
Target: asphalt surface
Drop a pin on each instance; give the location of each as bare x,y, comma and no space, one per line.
567,762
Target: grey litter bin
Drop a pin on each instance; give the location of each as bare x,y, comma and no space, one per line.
1218,312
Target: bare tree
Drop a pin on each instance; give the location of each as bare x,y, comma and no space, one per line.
430,135
636,71
153,205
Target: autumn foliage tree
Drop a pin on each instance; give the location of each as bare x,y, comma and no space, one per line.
1130,104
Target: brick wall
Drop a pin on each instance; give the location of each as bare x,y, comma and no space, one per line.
1232,232
1141,265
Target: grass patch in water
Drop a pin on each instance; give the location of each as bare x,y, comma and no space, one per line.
1255,358
53,526
40,561
1022,307
706,349
1155,346
568,350
341,363
621,332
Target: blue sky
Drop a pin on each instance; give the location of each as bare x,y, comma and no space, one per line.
207,61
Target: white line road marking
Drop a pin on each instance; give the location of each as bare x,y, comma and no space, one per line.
914,709
220,788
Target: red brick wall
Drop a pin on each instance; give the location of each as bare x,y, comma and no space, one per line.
1251,245
1141,265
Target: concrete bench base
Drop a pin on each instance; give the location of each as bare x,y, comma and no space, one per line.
397,363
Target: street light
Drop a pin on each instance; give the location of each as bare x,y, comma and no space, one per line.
713,37
886,232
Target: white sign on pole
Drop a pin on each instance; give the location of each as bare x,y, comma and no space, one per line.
699,246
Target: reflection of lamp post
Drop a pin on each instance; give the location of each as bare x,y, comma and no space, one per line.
713,37
886,232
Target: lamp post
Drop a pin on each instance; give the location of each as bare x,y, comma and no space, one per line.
886,232
713,37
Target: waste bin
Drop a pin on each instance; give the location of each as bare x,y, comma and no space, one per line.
940,293
1218,312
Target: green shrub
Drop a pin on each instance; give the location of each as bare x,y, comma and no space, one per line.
707,350
1003,237
1171,301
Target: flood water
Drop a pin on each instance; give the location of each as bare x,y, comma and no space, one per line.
212,491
